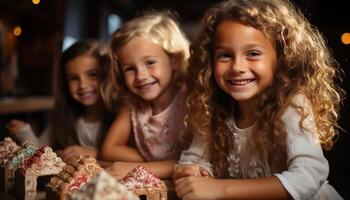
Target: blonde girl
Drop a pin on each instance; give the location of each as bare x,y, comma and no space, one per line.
263,100
79,120
150,54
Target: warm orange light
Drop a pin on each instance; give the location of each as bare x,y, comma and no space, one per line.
345,38
17,31
35,2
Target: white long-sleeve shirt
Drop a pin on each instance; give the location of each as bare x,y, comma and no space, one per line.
87,134
306,176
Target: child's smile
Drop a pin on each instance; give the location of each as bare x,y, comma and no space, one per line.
148,71
240,84
244,60
83,77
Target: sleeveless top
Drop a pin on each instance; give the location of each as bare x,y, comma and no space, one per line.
158,136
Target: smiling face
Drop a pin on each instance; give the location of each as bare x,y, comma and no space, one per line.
83,78
244,61
147,70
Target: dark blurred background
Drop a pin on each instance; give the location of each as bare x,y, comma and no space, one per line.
33,33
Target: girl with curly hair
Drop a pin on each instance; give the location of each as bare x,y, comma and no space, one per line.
150,54
263,101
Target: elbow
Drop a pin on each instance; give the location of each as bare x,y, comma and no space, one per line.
105,152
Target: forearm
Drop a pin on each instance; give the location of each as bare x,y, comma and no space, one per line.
27,134
161,169
121,153
262,188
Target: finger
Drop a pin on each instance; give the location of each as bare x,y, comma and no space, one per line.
185,172
69,150
113,172
68,155
182,191
119,176
204,172
177,175
11,125
12,122
109,170
181,186
191,172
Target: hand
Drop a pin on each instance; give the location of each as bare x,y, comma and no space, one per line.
73,150
14,126
189,170
195,187
120,169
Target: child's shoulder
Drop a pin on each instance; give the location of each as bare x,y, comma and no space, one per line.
298,116
297,104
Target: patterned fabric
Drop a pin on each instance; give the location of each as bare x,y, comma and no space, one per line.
237,167
157,136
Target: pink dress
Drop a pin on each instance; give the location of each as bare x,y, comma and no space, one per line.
158,136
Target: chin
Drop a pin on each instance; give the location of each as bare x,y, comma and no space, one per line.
149,96
89,103
241,97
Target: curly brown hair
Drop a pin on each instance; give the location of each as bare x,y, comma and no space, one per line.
305,66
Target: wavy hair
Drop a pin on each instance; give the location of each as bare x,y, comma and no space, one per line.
305,66
159,27
66,110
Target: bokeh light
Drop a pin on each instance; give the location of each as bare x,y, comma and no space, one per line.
345,38
35,2
17,31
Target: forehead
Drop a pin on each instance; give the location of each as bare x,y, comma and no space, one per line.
235,33
139,47
81,63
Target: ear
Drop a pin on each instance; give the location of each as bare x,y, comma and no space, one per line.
176,60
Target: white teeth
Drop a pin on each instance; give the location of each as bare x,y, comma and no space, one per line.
87,94
146,85
241,82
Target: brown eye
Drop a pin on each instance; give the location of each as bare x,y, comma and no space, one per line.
253,53
223,56
150,62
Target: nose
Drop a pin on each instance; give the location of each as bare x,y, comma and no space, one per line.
238,66
142,74
84,82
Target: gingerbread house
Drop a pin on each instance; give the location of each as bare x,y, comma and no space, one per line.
75,174
103,186
35,172
22,153
144,184
7,149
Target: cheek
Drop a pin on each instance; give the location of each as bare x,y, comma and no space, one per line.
218,74
72,86
166,73
96,82
266,75
128,79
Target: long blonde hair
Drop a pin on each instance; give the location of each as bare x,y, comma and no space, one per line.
305,66
159,27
